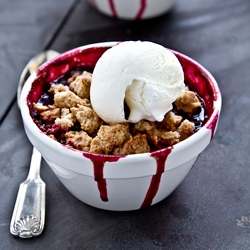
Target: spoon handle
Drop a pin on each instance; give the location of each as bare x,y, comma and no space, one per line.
29,211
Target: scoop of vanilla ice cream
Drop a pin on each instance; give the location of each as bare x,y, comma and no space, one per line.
145,75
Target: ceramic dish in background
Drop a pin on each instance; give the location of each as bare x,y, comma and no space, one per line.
120,182
132,9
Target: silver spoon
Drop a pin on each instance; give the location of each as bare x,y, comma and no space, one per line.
29,212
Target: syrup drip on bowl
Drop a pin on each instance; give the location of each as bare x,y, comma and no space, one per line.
98,164
160,157
100,160
59,71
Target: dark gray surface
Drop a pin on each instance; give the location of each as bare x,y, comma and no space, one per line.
26,27
211,207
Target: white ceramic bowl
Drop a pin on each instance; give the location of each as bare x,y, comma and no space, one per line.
132,9
120,182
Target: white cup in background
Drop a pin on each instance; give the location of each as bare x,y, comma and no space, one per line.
132,9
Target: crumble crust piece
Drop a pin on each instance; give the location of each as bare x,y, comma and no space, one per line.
134,145
171,121
109,137
81,85
38,107
163,137
73,77
143,126
187,101
89,120
65,98
50,114
79,140
185,130
66,120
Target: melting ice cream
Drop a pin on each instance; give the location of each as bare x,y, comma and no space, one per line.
144,75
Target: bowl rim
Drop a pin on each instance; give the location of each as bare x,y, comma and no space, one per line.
50,143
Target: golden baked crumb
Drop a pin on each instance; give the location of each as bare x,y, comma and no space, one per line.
50,114
135,145
187,101
38,107
89,120
185,130
143,126
109,137
171,121
162,137
79,140
72,78
169,138
66,119
64,98
81,85
55,88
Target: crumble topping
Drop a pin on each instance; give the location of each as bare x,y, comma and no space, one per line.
72,121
